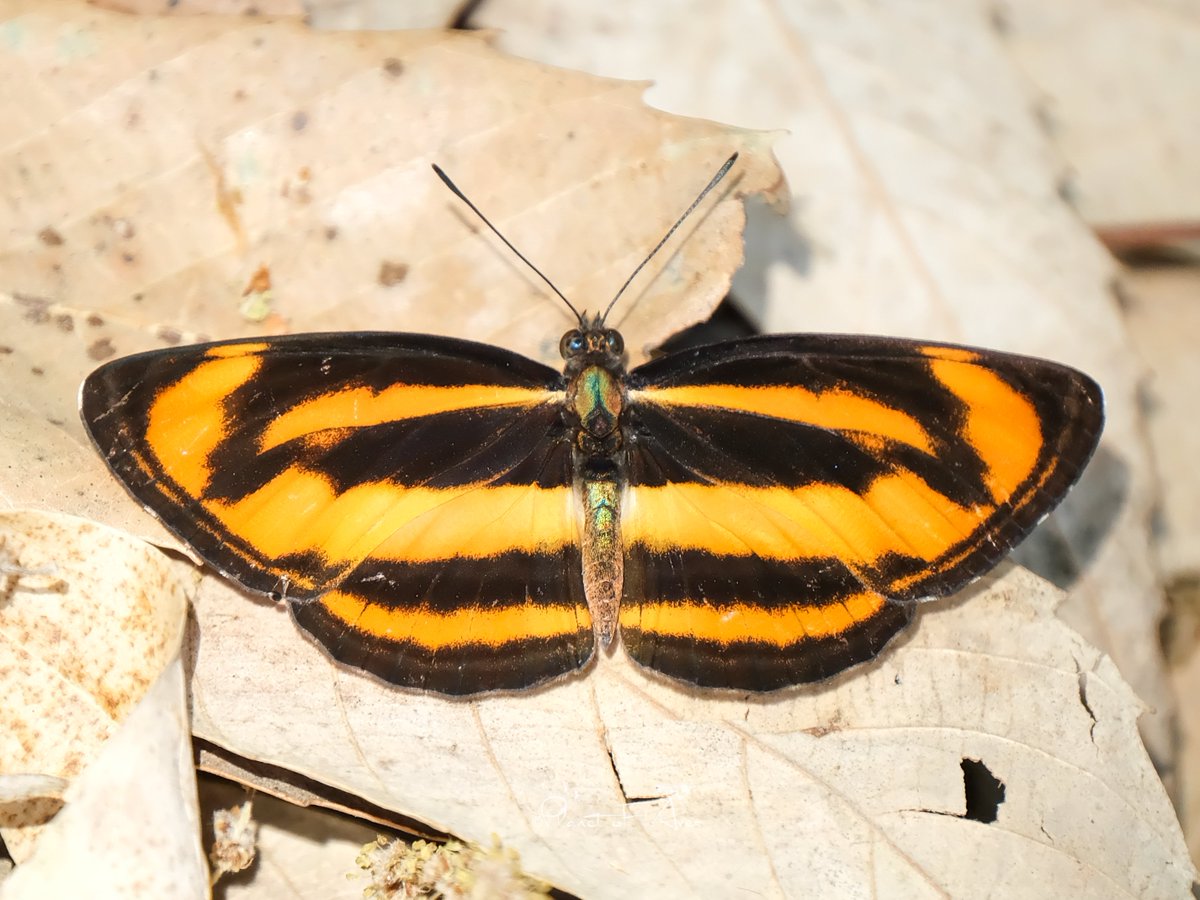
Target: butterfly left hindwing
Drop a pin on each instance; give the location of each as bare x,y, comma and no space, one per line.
454,517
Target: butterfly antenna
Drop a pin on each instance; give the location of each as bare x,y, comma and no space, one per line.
716,179
507,243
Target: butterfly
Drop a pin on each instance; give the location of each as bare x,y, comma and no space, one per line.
453,517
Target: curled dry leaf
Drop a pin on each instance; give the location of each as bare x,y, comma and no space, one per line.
130,822
90,619
18,788
294,193
162,205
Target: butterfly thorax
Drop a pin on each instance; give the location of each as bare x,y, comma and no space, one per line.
595,368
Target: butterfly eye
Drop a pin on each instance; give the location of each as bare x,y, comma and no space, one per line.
572,344
614,342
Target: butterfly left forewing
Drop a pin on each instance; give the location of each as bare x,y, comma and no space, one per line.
366,477
790,496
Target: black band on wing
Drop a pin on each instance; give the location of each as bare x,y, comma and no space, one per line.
405,639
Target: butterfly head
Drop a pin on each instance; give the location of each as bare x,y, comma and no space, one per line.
592,344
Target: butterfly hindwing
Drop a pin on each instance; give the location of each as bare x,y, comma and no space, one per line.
410,496
789,497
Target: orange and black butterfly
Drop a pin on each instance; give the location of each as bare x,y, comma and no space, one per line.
453,517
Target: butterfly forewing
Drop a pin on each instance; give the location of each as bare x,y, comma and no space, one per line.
790,496
410,496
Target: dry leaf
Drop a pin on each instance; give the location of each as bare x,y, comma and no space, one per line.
322,175
927,206
206,7
130,822
613,782
924,211
1118,86
149,220
1164,320
617,784
381,15
90,630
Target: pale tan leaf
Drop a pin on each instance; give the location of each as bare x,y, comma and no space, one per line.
90,629
129,827
1164,319
616,784
206,7
1118,86
308,189
381,15
149,213
927,206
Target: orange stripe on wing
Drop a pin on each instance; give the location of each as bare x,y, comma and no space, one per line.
469,625
186,420
360,406
736,622
898,514
954,354
299,512
229,351
1002,425
835,409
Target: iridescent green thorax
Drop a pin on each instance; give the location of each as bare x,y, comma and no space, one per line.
597,401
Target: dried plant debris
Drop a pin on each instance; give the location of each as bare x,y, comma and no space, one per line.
452,871
235,840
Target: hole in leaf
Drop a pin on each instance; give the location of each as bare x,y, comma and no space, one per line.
984,791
